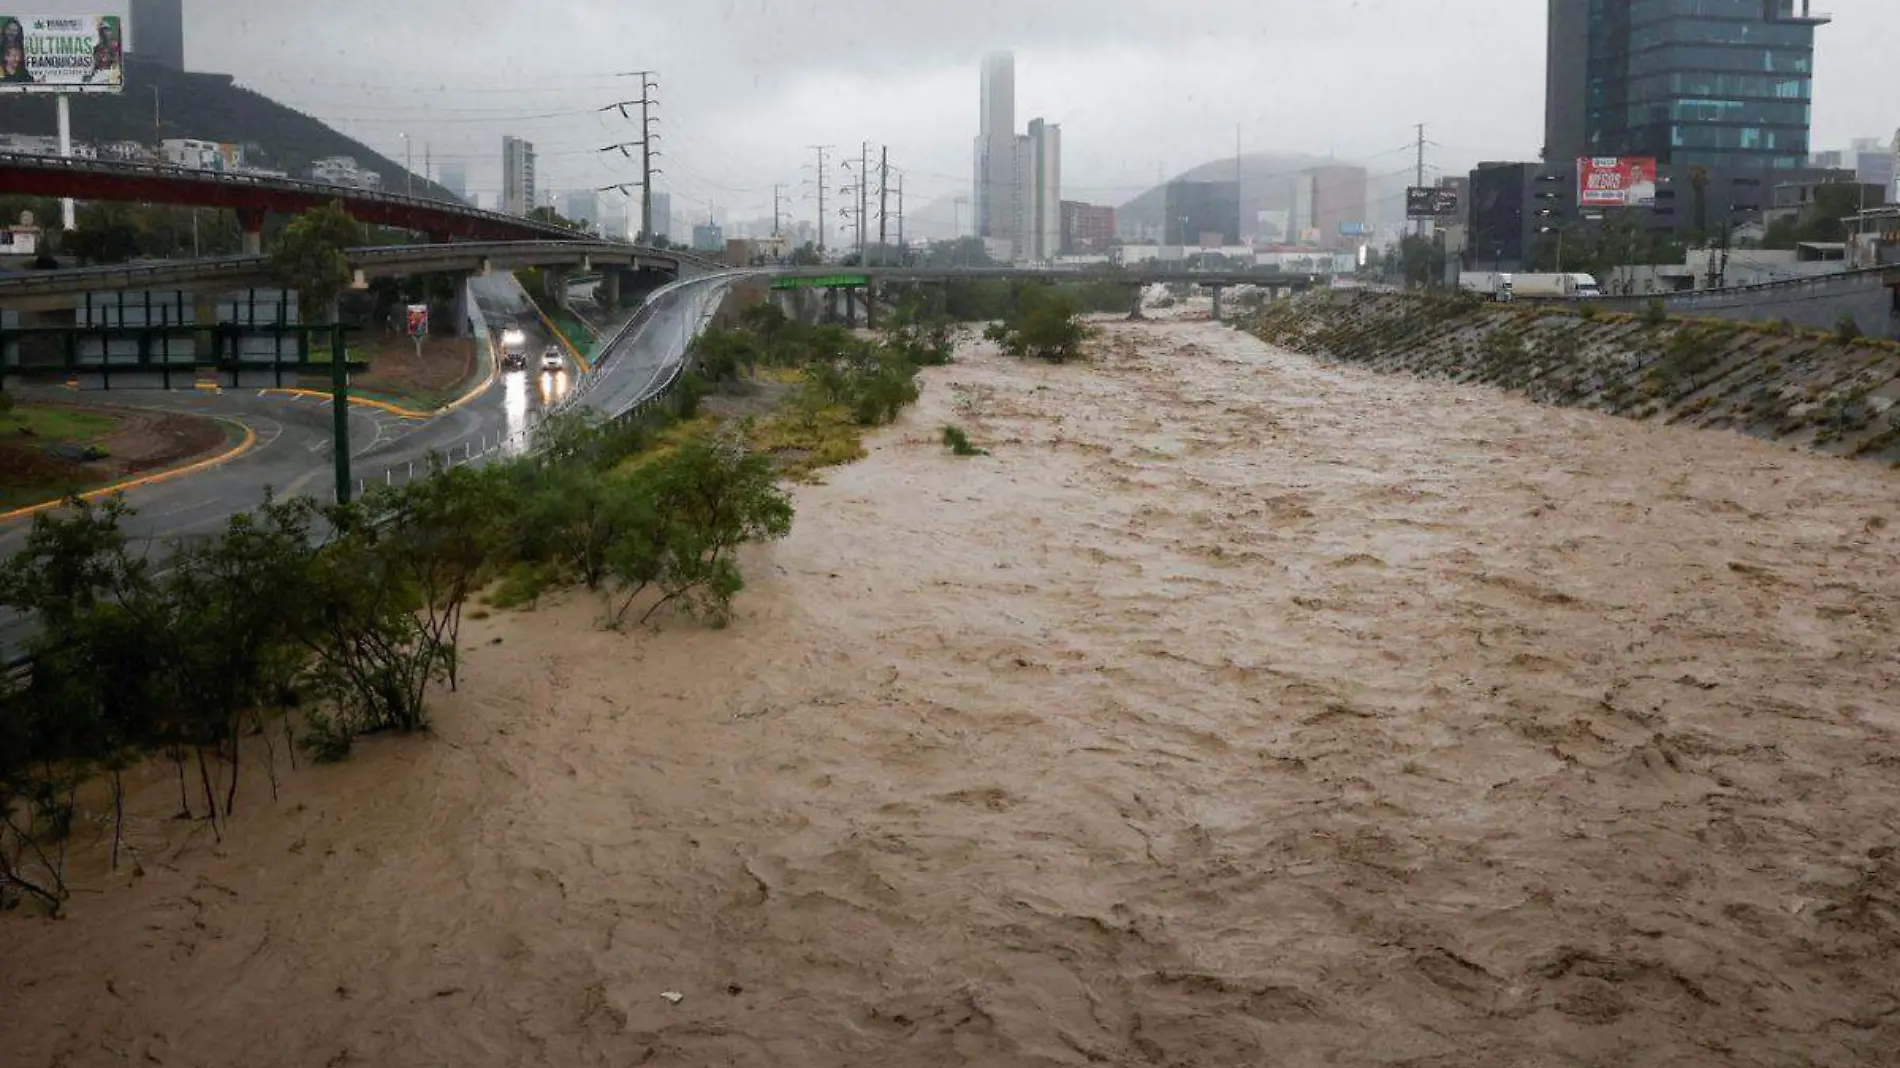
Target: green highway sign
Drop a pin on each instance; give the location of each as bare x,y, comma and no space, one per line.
826,281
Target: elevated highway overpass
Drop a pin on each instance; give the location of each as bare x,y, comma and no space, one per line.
57,289
848,277
254,196
849,280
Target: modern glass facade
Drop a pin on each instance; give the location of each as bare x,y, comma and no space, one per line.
1720,84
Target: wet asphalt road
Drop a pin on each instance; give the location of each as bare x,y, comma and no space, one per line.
292,454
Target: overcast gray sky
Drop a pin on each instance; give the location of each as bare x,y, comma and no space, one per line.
1141,87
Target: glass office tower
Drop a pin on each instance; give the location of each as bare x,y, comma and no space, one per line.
1721,84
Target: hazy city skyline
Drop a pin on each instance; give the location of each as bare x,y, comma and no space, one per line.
763,83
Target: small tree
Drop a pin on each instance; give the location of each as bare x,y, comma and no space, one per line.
311,257
1043,326
706,499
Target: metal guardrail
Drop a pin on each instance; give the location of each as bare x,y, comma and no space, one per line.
483,448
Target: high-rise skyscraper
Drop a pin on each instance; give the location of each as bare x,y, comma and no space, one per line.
663,215
1721,84
517,176
995,202
1039,192
155,30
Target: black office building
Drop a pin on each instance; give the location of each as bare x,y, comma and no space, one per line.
1717,84
1198,208
156,32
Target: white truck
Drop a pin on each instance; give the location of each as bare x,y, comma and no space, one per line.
1496,285
1568,286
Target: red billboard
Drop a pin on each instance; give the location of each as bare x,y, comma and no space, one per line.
1616,182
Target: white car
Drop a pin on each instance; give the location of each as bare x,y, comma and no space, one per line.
552,360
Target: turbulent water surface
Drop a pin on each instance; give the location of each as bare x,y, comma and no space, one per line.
1234,711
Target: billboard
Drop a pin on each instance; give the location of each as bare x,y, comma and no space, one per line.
1353,229
62,53
1616,182
418,321
1429,202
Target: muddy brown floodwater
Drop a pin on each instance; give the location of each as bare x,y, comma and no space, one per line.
1236,711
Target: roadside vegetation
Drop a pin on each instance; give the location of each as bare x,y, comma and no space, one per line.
308,626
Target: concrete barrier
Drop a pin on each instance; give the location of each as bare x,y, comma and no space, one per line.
1869,296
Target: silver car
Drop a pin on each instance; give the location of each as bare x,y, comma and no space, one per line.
552,360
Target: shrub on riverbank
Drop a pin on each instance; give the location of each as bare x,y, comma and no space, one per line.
355,608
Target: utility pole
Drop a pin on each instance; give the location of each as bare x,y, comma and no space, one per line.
644,144
883,201
1419,226
821,150
647,137
903,249
864,195
777,227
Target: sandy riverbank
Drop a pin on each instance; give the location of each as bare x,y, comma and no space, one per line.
1235,711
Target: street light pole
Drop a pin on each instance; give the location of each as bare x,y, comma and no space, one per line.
409,165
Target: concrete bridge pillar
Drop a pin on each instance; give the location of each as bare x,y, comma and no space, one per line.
464,321
851,309
610,290
1217,311
251,222
870,307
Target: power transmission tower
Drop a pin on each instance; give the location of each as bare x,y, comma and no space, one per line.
647,137
821,150
903,249
864,195
644,144
883,202
777,219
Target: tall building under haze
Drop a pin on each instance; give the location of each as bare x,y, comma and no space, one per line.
1018,177
663,215
1040,193
1721,84
155,31
995,200
517,176
454,178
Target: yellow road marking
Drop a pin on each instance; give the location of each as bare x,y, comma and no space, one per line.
242,447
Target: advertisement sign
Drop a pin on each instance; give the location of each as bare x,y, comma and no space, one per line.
1616,182
62,53
418,321
1430,202
1353,229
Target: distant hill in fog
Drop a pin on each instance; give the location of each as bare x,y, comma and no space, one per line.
1266,184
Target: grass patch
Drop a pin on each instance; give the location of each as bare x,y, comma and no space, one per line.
668,441
54,425
806,439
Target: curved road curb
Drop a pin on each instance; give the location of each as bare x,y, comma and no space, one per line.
243,446
457,404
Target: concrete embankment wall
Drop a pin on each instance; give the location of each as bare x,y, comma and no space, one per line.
1799,386
1868,297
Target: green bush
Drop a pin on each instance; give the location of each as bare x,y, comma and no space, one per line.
1042,326
1655,312
958,442
1847,329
